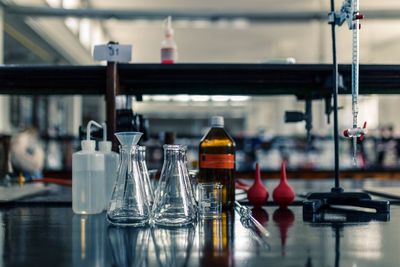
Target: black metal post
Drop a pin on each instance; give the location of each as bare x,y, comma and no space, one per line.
335,101
112,89
337,245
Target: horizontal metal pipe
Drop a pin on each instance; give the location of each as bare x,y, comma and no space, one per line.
198,79
258,17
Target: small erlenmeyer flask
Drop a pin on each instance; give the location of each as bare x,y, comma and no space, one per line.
148,189
173,203
128,205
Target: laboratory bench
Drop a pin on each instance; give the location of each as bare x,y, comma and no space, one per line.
42,230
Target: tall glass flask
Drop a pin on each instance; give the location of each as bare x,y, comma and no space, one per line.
128,205
148,188
173,203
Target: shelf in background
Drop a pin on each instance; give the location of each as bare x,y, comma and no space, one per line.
52,80
209,79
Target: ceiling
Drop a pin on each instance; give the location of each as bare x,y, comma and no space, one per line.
232,40
238,5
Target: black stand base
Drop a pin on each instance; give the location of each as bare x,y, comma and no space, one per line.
316,202
338,216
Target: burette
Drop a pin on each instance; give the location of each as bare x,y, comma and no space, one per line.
350,10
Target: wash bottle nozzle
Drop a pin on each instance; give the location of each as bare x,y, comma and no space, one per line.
168,27
105,145
89,144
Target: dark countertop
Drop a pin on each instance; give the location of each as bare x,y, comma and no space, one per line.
40,235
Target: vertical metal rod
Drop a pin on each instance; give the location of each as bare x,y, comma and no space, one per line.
335,101
112,88
308,113
337,246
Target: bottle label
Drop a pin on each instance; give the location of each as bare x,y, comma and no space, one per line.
168,55
217,161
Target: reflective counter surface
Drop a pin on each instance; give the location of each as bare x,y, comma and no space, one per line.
43,231
54,236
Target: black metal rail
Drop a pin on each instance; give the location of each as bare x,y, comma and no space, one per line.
210,79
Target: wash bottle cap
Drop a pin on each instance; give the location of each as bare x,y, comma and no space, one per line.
89,145
105,146
217,121
168,27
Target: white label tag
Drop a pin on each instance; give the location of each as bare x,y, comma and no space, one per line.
113,53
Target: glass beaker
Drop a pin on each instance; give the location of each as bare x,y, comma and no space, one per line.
128,205
148,188
210,200
173,203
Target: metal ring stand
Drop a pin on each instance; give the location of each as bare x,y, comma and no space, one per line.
318,202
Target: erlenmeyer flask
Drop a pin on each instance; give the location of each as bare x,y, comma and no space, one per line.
148,189
173,203
189,180
128,205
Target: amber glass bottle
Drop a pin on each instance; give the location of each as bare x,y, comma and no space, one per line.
217,160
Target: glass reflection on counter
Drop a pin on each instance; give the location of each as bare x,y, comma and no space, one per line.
216,240
173,246
129,245
367,244
89,246
259,237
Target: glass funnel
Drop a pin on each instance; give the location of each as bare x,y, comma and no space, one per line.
173,203
148,188
128,205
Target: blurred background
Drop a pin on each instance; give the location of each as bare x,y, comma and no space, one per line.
254,31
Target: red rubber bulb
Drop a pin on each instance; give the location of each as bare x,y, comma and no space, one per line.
283,194
257,193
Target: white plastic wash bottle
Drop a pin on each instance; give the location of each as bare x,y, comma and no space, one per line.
111,160
88,186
